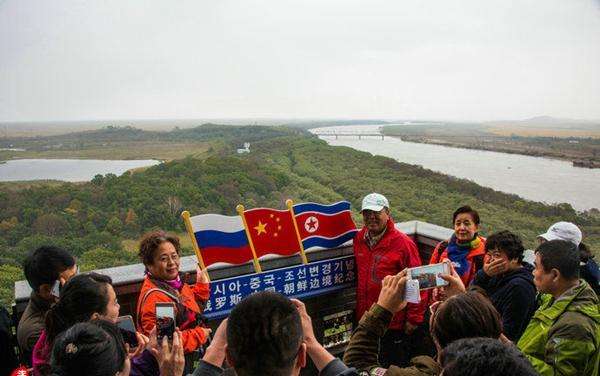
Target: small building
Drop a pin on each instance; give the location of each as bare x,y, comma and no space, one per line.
244,150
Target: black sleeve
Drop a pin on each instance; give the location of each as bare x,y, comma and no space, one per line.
337,368
207,369
515,312
481,279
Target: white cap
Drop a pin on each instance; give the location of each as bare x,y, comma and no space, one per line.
375,202
563,231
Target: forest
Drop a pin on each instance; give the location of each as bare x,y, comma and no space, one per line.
99,221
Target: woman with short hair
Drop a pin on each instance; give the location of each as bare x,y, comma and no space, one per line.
161,254
465,248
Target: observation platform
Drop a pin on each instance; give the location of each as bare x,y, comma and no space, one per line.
331,309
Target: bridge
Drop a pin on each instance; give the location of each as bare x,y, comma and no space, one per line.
338,134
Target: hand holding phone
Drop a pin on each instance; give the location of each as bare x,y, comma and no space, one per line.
127,329
165,320
429,275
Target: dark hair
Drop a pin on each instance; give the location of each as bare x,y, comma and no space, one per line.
264,334
507,243
44,265
466,209
93,349
483,357
150,243
561,255
464,316
81,297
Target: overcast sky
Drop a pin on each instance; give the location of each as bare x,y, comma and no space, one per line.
418,59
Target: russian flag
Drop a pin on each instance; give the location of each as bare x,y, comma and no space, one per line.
324,226
221,238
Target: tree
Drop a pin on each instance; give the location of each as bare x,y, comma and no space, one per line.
50,225
114,226
8,275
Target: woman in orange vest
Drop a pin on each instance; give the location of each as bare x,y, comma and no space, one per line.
465,249
160,253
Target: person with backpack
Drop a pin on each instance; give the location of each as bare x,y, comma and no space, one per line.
465,249
160,252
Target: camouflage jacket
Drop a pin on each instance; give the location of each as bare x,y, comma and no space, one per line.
563,336
361,352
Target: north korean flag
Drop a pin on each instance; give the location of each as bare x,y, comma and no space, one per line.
324,226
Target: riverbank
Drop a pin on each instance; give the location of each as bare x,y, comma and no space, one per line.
581,152
503,146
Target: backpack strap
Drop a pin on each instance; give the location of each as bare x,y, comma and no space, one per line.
155,289
440,249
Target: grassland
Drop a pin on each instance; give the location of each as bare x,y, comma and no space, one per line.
117,150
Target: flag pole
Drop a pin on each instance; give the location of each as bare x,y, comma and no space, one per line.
290,205
188,225
240,210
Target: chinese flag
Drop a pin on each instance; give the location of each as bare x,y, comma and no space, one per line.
272,231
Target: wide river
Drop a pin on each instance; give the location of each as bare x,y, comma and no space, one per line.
533,178
66,169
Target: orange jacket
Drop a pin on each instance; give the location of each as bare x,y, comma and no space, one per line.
193,337
439,255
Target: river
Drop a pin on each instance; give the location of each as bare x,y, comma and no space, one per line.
66,169
534,178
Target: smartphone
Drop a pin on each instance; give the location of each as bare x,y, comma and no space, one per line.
55,291
127,328
428,275
165,320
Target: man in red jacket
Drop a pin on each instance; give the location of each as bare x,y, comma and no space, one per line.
380,250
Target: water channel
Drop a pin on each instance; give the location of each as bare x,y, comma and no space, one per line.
533,178
66,169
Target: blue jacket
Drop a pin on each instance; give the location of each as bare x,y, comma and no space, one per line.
514,296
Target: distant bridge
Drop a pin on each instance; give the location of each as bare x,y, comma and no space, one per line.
338,134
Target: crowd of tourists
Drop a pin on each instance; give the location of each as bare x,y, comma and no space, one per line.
502,311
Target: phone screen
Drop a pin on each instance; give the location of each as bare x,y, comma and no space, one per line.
428,275
165,320
127,328
55,291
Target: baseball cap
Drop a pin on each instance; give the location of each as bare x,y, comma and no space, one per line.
563,231
375,202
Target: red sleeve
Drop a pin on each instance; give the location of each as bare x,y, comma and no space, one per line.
192,338
415,312
201,292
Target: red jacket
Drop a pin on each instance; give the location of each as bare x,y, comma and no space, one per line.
394,252
193,337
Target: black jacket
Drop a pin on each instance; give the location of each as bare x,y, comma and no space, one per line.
513,294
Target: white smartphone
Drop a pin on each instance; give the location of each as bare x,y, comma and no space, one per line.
55,291
428,275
